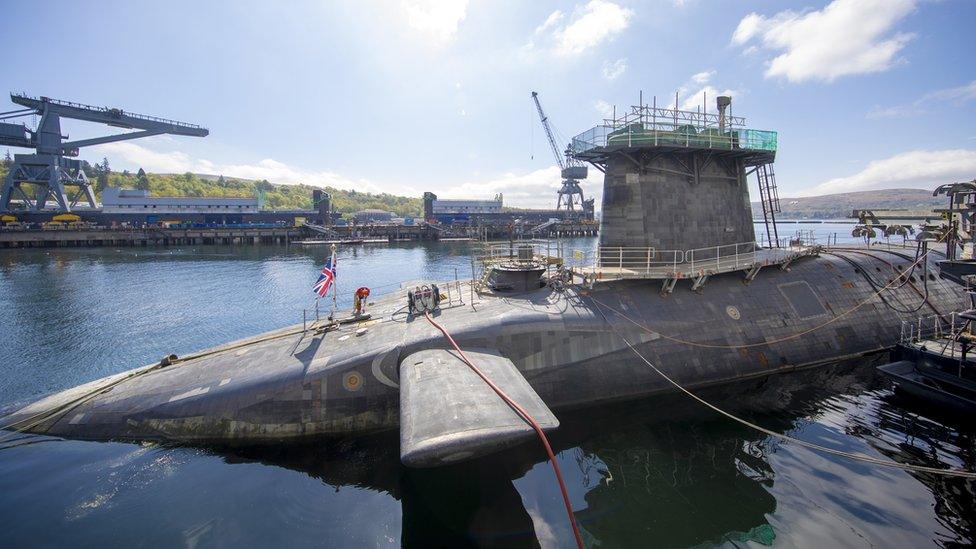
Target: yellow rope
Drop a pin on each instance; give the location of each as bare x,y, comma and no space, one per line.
763,343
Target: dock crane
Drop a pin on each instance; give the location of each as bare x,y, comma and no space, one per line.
571,170
49,169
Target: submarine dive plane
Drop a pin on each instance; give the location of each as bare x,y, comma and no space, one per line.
678,272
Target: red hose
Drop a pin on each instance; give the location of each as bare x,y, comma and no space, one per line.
528,419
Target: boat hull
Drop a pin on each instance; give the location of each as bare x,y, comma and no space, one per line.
295,384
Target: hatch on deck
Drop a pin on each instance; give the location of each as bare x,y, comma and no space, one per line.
449,414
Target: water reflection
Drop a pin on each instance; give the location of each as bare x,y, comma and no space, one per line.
660,472
666,473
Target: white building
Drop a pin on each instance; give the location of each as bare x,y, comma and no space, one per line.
442,206
135,201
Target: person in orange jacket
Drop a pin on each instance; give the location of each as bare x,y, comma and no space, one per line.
360,300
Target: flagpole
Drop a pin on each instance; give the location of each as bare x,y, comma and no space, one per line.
335,281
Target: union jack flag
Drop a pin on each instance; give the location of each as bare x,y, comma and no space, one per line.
328,275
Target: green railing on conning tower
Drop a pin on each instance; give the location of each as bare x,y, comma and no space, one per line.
647,135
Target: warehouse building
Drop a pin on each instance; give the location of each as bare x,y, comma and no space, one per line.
116,200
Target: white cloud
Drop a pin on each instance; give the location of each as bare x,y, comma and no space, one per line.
613,69
437,19
274,171
955,96
604,108
845,37
896,111
550,22
589,26
704,97
917,169
698,93
702,77
536,189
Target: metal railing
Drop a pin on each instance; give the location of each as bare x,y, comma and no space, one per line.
636,262
107,110
644,135
929,327
526,251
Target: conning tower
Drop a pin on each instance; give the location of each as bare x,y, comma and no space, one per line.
676,179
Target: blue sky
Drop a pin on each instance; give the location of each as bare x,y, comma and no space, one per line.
414,95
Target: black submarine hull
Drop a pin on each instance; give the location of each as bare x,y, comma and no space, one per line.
298,384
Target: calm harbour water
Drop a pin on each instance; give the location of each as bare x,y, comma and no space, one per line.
660,472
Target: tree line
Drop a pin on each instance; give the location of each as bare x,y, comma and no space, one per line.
279,197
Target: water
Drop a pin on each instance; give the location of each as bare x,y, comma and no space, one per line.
661,472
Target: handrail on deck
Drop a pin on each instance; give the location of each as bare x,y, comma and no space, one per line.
660,134
649,262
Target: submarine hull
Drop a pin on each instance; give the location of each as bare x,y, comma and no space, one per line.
297,384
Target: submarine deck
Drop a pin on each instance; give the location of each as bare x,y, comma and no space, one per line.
617,263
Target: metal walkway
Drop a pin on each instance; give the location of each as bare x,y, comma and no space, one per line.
670,266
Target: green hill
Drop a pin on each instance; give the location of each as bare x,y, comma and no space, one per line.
277,197
840,206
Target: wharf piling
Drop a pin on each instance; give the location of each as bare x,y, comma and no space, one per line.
147,237
162,236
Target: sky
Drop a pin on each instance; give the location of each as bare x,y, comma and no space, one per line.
407,96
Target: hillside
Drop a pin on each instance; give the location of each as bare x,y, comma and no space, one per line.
274,196
840,206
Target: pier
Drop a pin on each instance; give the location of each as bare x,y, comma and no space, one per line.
20,237
151,236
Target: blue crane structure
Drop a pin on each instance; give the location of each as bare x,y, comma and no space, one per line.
50,170
571,169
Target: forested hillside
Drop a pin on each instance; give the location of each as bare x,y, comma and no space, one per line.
274,196
841,205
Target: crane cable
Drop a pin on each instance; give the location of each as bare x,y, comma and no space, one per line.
527,418
762,343
781,436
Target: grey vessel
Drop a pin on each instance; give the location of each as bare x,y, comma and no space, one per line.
678,273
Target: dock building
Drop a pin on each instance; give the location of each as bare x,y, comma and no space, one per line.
465,206
116,200
372,215
493,212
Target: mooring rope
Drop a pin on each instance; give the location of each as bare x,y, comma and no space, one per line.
784,437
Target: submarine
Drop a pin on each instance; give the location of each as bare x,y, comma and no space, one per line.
678,277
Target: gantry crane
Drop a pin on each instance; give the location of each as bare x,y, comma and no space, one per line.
49,170
572,170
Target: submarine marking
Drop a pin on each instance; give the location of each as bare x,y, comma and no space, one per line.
190,393
352,381
378,373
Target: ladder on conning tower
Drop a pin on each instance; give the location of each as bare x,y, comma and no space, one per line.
769,200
